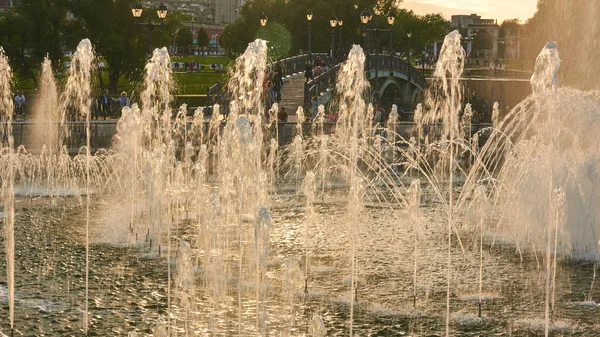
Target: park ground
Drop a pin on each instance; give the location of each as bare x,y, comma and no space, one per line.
191,87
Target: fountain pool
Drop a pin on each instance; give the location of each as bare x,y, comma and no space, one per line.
186,227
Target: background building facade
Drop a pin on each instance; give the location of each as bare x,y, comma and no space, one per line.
463,21
206,12
4,4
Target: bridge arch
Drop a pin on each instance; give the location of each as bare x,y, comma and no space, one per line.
390,92
390,82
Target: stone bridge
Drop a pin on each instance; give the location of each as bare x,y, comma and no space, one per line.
393,81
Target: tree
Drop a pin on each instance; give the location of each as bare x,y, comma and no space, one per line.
30,31
185,37
164,34
236,36
291,15
202,38
15,41
279,40
116,36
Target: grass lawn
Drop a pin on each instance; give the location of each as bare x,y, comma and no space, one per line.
185,83
224,60
194,84
197,82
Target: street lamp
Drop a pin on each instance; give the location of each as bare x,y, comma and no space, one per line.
340,23
333,23
137,10
365,17
309,17
263,19
409,34
390,19
161,12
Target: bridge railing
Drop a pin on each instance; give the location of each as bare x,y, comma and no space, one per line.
395,63
296,64
289,66
328,79
320,84
212,93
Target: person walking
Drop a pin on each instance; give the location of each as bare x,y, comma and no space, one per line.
308,71
277,85
20,102
314,108
379,117
317,71
282,116
123,100
103,105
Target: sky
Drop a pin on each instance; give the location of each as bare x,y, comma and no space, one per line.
488,9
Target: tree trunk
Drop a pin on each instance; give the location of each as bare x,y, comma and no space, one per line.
100,80
113,78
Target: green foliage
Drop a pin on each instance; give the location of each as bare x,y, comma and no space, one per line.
184,38
164,34
291,16
280,40
34,28
225,61
202,38
197,82
113,32
30,31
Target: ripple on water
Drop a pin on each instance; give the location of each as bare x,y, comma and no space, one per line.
538,325
485,297
584,304
322,269
468,319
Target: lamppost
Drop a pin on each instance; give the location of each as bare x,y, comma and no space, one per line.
423,60
309,17
333,23
263,19
409,34
161,12
390,19
365,18
340,23
217,45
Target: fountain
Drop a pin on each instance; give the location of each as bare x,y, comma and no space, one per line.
191,227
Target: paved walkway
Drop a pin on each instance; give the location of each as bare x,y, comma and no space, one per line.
292,96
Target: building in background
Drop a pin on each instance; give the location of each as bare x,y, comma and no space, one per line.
4,4
464,21
475,25
207,12
211,15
